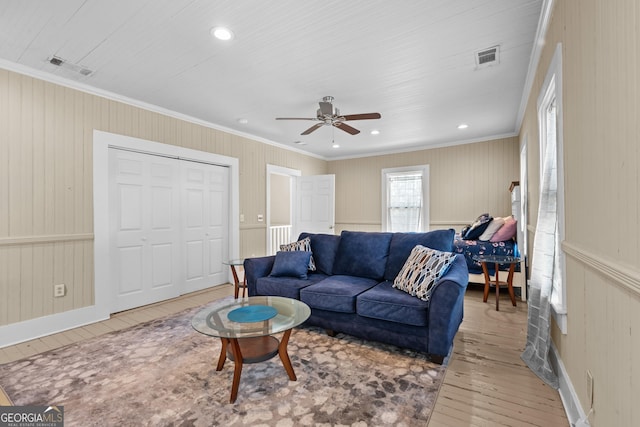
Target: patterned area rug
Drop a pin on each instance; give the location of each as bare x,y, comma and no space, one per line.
163,373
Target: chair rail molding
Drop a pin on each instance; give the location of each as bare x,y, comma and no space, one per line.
45,238
623,275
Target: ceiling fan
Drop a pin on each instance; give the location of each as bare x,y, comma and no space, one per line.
328,115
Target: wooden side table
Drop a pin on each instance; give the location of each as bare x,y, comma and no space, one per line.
498,260
233,263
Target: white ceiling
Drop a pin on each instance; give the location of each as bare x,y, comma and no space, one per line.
413,61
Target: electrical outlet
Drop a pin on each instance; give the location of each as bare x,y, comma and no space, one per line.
260,218
241,217
590,388
59,290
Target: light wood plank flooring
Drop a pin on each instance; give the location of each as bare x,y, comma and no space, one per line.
486,384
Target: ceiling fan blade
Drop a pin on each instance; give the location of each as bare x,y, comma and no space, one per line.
365,116
312,128
295,118
326,108
345,127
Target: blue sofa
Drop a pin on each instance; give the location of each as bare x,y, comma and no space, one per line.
351,290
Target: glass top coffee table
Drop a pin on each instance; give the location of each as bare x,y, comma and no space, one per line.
246,328
498,260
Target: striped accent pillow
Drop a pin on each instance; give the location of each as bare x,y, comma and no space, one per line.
422,270
301,245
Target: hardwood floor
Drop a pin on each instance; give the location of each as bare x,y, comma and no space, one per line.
486,383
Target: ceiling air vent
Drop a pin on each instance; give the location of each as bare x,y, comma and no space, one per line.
56,61
488,57
69,66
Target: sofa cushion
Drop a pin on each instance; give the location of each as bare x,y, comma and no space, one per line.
291,264
301,245
286,286
402,244
324,248
362,254
386,303
421,272
336,293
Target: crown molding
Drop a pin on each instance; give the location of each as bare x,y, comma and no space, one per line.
82,87
534,60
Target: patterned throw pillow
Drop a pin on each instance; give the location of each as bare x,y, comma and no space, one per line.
422,270
301,245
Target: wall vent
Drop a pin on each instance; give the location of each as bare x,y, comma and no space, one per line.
488,57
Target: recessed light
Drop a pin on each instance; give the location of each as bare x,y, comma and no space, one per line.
222,33
463,126
336,145
299,142
375,132
243,121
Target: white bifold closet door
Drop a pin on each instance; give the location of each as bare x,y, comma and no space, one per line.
205,196
168,227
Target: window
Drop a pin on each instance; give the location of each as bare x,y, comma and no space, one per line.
405,204
552,184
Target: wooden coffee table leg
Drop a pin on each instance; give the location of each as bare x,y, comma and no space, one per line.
284,356
223,354
237,359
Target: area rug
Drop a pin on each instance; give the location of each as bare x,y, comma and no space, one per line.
162,373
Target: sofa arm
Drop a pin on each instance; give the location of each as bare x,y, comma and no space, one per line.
446,307
255,268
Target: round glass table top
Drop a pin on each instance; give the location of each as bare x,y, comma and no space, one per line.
238,261
213,320
497,259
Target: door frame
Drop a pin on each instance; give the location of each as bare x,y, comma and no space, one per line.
102,141
291,173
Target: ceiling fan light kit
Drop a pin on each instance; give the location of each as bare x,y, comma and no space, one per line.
329,115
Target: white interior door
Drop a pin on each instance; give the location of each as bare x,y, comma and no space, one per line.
314,208
205,203
145,261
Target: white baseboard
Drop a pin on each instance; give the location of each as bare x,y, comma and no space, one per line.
27,330
576,415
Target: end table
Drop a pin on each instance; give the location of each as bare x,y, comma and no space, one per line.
498,260
233,263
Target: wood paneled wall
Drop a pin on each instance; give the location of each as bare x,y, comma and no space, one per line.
601,94
46,185
465,181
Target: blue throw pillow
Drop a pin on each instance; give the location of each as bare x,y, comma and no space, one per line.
291,264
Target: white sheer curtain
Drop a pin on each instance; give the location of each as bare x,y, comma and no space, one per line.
544,271
404,202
